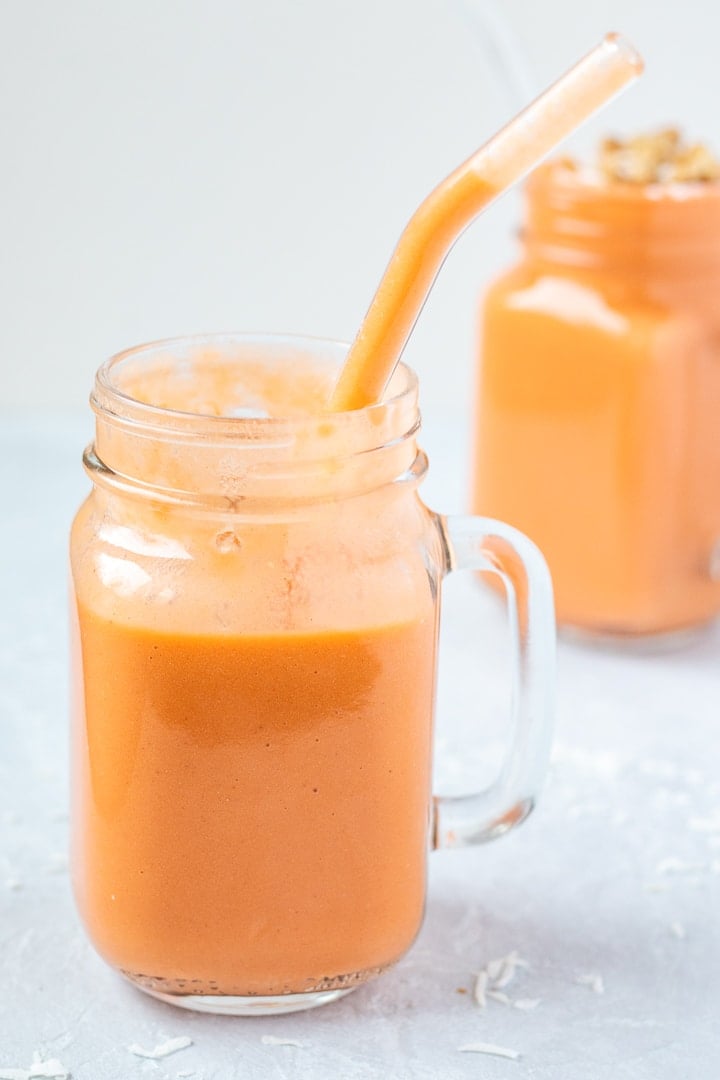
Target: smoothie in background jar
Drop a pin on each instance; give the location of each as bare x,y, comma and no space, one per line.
598,397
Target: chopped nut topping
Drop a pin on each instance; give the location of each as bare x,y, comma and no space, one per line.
695,163
656,159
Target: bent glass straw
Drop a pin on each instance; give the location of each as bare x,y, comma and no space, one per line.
435,226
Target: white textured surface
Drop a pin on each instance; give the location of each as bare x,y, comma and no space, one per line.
613,885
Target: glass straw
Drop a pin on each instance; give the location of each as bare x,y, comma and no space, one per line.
449,208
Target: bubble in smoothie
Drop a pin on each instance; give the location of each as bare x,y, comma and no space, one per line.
241,413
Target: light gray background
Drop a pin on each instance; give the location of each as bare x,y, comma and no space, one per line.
173,166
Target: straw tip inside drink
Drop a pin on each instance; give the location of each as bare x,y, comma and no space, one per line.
626,50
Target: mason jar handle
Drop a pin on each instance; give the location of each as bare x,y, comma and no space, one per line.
480,544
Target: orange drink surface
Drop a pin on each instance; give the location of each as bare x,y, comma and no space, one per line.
255,656
598,398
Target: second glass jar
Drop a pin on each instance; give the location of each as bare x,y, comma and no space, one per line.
598,396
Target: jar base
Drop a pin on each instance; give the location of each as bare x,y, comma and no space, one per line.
639,643
251,1005
209,999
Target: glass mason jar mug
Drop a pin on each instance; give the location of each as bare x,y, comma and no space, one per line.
598,392
255,634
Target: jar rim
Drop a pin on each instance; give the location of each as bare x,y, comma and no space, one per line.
110,400
670,231
201,456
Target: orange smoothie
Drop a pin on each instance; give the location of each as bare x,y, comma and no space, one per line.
255,666
256,806
598,398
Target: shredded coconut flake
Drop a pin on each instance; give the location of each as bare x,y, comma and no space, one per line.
656,886
496,975
499,995
593,981
170,1046
502,971
526,1004
493,969
489,1048
480,988
52,1068
506,976
275,1040
677,930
